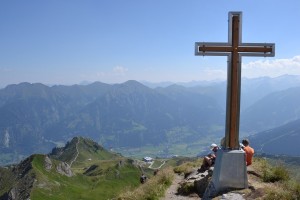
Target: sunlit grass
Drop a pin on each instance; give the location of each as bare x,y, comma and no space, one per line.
105,184
153,189
188,167
281,185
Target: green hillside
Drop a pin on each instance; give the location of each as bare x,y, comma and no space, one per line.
107,181
80,170
81,152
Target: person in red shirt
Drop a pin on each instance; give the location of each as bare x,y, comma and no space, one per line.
249,152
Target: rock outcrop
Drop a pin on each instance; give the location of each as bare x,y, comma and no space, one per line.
47,163
201,181
64,169
197,182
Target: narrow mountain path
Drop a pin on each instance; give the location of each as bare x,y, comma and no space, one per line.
76,146
171,192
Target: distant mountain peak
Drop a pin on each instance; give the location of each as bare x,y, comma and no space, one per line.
134,83
130,86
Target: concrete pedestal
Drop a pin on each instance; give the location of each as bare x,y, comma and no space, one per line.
230,171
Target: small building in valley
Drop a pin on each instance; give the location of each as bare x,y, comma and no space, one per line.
147,159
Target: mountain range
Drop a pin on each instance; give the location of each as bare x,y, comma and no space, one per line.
34,118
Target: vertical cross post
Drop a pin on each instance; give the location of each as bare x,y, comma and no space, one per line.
234,49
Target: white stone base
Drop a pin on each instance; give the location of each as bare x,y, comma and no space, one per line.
230,170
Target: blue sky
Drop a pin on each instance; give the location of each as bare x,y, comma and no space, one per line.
70,41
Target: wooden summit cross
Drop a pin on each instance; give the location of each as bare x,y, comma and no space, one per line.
234,49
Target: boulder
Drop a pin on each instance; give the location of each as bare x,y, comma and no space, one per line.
195,182
201,181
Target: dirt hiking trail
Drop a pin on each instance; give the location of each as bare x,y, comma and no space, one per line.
171,193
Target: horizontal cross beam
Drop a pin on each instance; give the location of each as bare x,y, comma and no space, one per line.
225,49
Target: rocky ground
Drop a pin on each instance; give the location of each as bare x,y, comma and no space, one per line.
199,181
172,192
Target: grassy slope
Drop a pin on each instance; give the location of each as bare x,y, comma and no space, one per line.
111,174
154,188
106,181
52,185
90,152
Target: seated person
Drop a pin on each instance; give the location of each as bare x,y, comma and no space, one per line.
249,152
210,159
143,178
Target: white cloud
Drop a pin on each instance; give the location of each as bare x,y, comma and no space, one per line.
119,70
272,68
